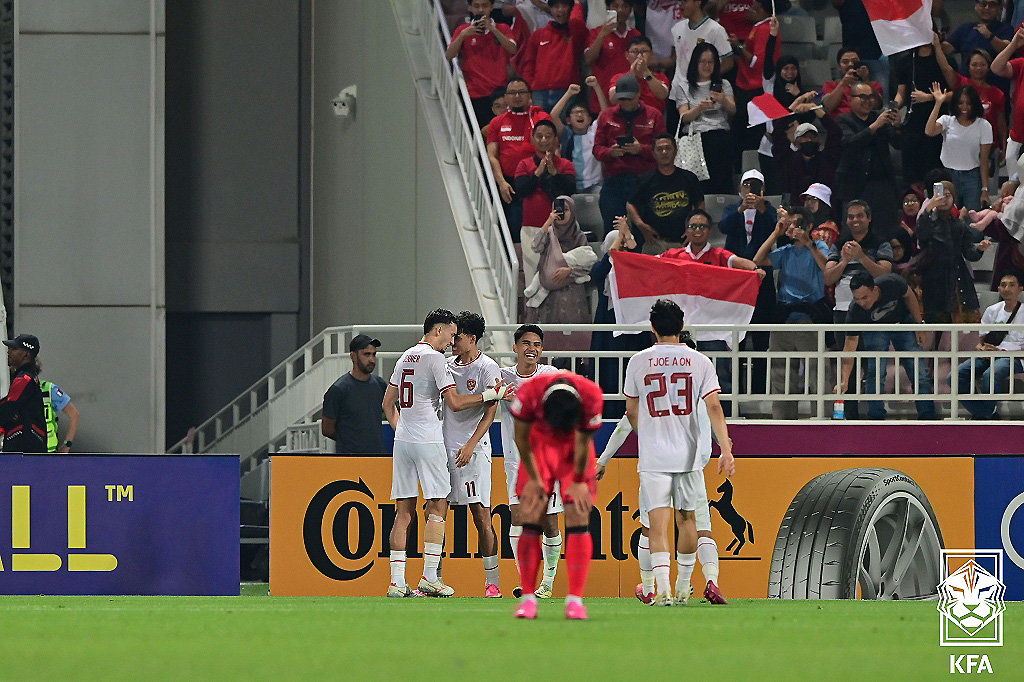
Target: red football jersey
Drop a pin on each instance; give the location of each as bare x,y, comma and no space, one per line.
512,131
483,60
529,406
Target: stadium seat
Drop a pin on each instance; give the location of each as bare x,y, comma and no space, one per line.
814,73
986,297
715,205
588,213
801,51
795,29
750,160
774,199
833,30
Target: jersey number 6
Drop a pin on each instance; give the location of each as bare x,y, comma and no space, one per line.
405,389
680,381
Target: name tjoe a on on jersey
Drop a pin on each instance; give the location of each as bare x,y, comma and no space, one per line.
668,362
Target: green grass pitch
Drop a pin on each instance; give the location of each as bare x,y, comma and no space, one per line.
260,637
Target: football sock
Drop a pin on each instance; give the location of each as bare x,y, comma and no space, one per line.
578,550
660,568
572,598
397,568
686,563
552,552
431,558
529,558
643,556
491,570
707,554
513,539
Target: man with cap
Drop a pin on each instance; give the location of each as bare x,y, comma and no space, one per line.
801,157
624,146
352,405
21,410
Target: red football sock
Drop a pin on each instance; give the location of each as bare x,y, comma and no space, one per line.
578,550
529,558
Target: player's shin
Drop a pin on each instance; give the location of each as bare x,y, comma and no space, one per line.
643,557
433,542
578,550
685,563
707,554
397,568
552,552
529,558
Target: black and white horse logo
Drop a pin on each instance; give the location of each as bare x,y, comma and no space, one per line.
729,514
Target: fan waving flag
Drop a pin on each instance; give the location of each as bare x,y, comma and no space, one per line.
764,108
900,24
707,294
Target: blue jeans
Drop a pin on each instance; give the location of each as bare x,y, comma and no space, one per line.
968,187
614,193
547,99
723,368
984,367
901,341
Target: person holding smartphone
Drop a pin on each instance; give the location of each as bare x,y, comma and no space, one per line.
484,49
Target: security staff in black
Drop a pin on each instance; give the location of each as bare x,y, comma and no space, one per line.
21,410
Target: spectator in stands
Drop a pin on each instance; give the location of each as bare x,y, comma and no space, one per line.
817,206
865,166
551,58
860,36
654,85
21,411
576,137
705,105
914,72
540,179
1009,253
888,300
836,94
946,242
696,29
509,141
624,146
606,47
733,15
1006,66
352,413
995,371
801,300
655,20
993,101
910,206
781,77
801,157
484,49
988,34
56,400
966,142
663,200
750,51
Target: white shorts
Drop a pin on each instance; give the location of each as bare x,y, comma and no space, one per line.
702,513
512,470
678,490
471,484
422,464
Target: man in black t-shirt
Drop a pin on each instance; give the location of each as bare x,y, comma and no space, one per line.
885,300
352,405
663,200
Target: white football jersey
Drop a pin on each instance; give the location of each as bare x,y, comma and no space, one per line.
685,39
670,380
511,376
420,377
471,378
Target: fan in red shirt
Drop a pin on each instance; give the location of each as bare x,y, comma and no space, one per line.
698,250
606,48
556,415
484,49
654,85
552,54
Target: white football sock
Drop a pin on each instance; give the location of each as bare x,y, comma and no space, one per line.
431,558
686,563
491,570
707,554
643,556
397,568
552,552
573,598
660,564
513,538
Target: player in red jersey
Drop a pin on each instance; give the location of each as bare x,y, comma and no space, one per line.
556,416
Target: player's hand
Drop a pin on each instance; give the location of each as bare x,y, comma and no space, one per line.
727,463
463,455
510,394
599,473
533,500
496,392
505,190
580,494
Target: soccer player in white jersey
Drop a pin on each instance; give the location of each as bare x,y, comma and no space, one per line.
529,346
663,386
707,549
412,403
468,442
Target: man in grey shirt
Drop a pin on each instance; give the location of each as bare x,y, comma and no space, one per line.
352,405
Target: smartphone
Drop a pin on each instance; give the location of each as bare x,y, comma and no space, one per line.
755,185
716,87
611,15
938,190
818,96
623,140
559,207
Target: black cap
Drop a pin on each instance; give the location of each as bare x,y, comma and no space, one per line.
24,341
627,87
362,341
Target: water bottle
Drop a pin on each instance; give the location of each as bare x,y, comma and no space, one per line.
838,408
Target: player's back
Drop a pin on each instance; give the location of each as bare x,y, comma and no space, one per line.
472,377
420,376
669,382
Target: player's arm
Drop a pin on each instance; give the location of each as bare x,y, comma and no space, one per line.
578,490
726,462
615,441
390,405
465,453
532,500
72,414
457,402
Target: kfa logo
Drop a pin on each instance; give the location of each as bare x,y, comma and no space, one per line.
971,598
21,535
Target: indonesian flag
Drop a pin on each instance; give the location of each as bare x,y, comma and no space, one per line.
900,24
707,294
764,108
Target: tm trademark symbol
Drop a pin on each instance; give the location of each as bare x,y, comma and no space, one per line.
119,492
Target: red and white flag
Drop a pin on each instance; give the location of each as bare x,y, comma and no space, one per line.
900,24
764,108
707,294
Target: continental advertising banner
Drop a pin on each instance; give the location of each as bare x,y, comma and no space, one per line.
134,524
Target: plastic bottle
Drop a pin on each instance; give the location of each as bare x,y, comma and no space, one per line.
838,409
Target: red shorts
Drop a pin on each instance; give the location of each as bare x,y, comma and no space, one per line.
554,464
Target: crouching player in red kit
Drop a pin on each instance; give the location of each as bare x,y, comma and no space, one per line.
556,416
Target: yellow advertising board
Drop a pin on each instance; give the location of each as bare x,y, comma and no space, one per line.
331,517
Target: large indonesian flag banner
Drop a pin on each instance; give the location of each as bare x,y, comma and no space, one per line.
707,294
900,24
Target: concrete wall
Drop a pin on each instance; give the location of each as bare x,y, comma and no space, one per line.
89,230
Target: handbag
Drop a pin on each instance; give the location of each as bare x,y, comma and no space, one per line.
997,336
690,153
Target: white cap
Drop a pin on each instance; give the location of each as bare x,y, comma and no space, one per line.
754,174
820,192
805,128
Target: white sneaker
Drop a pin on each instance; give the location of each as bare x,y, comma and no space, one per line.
437,589
398,591
544,591
683,594
663,599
